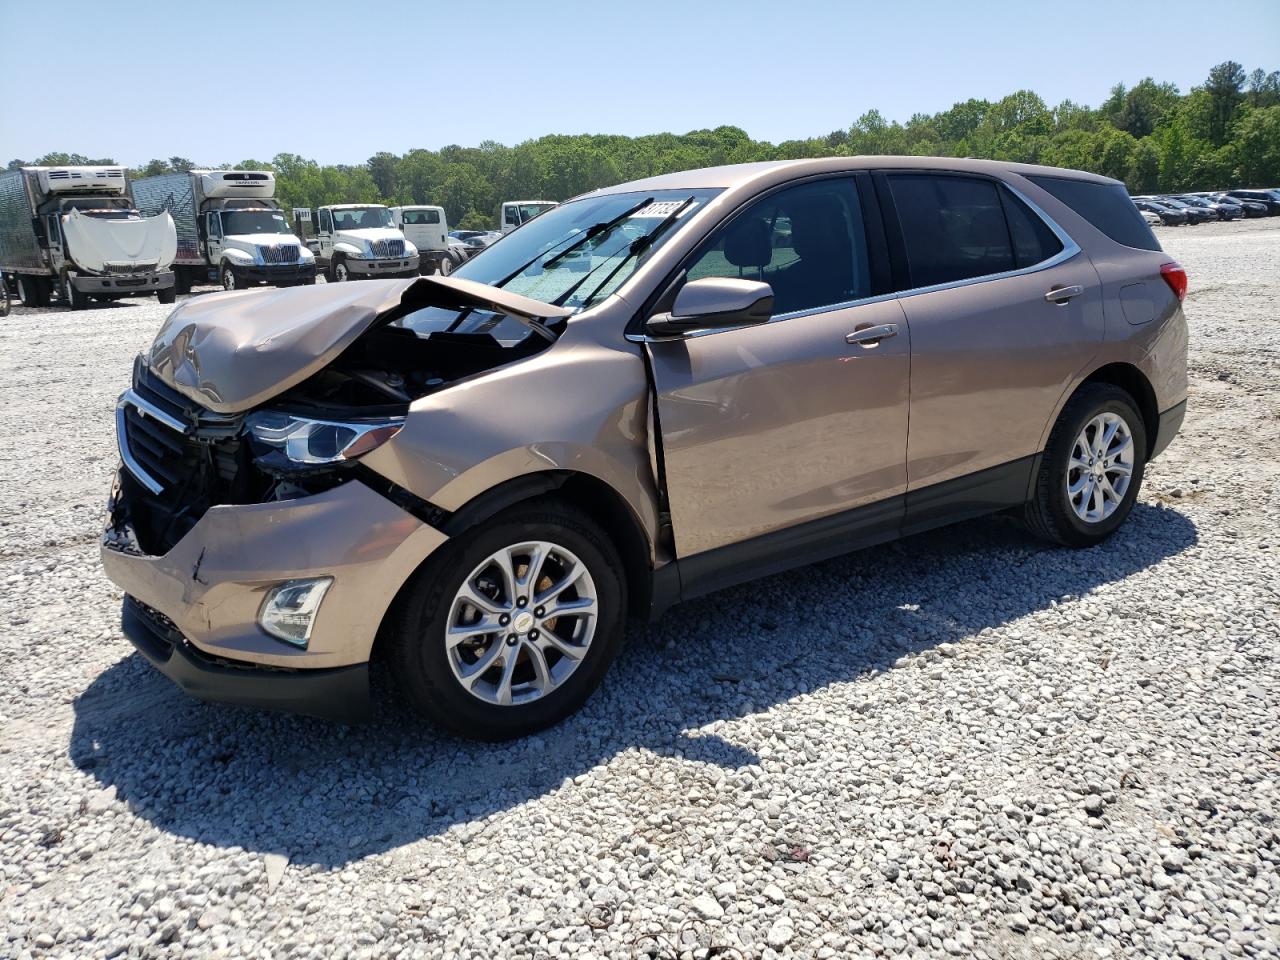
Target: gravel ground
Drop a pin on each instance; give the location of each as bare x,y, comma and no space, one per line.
964,744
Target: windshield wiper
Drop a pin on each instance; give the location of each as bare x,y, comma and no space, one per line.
634,249
593,231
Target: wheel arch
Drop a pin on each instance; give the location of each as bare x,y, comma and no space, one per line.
594,497
603,504
1135,383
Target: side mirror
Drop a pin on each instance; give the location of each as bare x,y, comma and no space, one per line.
714,303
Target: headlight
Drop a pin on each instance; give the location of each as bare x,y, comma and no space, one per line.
291,444
410,250
305,254
235,253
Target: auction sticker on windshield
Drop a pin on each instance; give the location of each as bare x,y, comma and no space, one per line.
659,209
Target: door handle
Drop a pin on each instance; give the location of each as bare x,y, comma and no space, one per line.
870,336
1060,295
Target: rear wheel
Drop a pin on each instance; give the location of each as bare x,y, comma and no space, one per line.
511,627
182,281
1091,470
32,292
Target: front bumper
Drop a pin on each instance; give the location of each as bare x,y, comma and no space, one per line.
212,583
382,268
278,272
123,285
338,693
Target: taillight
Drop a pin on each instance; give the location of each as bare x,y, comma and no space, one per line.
1176,278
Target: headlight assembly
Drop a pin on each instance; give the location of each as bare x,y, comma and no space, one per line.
285,443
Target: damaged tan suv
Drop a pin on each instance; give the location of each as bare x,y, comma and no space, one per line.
648,393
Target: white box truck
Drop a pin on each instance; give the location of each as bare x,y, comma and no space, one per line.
230,229
355,241
514,213
426,227
73,233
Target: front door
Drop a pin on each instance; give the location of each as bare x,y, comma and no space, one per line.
804,417
213,235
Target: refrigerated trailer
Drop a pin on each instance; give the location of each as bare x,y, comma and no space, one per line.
72,233
230,229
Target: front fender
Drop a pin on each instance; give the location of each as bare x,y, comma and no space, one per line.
350,249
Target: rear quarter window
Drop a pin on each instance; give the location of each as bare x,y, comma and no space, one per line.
1105,205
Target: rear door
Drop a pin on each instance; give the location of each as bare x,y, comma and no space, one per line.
1004,311
768,426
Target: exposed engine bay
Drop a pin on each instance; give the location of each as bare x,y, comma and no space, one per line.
182,458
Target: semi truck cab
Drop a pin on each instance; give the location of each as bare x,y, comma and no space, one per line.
427,228
514,213
356,241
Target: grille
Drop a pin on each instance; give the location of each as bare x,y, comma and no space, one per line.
196,468
387,248
118,269
283,253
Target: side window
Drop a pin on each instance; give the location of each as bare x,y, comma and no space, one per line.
215,227
326,221
1033,241
807,242
55,235
953,227
430,216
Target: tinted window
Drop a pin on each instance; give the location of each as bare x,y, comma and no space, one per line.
807,242
953,228
1033,241
1105,205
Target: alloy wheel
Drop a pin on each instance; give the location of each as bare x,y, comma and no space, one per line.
521,623
1100,468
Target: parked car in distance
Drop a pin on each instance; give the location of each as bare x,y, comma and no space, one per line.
1194,214
1221,211
479,477
1248,208
1167,214
1271,200
1151,217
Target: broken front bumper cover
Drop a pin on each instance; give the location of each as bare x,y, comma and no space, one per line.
338,693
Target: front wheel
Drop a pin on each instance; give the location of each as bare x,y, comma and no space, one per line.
341,273
513,625
230,280
1091,470
167,295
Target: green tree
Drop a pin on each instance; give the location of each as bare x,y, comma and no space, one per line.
1224,87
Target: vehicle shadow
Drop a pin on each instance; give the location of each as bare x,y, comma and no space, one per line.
327,794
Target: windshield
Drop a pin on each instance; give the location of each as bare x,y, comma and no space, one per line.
361,218
244,222
101,208
416,217
574,255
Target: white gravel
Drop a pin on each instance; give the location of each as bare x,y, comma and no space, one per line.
966,744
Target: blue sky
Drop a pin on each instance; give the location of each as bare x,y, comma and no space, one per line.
338,82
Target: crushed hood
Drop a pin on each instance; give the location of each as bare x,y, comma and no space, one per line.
95,243
230,352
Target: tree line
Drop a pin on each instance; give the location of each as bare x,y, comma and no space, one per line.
1223,133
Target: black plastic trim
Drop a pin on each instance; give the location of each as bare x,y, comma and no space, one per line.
405,499
337,693
964,498
1170,424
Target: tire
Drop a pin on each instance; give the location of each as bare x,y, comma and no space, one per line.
428,672
1053,512
4,296
309,282
32,292
445,266
339,270
229,279
182,282
167,295
73,297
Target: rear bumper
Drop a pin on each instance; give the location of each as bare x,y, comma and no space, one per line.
340,693
127,286
1170,424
